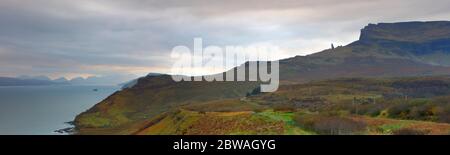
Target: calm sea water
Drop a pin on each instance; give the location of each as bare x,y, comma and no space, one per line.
29,110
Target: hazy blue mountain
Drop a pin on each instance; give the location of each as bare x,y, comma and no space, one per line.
40,77
102,80
8,81
61,80
24,80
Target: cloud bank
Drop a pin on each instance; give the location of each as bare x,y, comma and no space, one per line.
105,37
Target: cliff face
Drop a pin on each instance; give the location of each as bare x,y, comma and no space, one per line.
424,41
416,32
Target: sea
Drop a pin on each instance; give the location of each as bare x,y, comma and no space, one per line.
41,110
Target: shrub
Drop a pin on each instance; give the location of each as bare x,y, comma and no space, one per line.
415,111
254,92
375,110
338,126
330,125
258,110
306,121
409,131
400,110
284,107
423,112
371,109
444,115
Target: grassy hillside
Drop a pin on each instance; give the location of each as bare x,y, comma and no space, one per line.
423,98
288,123
269,122
305,69
340,106
155,95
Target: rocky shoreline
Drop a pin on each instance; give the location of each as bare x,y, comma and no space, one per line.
68,130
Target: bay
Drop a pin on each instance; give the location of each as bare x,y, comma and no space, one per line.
40,110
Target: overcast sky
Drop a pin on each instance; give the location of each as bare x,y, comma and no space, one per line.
106,37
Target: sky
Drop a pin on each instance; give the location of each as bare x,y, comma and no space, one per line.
70,38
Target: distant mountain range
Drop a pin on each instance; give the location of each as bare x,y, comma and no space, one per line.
7,81
385,50
24,80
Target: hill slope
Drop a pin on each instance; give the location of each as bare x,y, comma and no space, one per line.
340,106
384,50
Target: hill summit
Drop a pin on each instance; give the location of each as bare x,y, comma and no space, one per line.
417,32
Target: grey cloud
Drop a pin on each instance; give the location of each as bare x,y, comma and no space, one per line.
56,36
